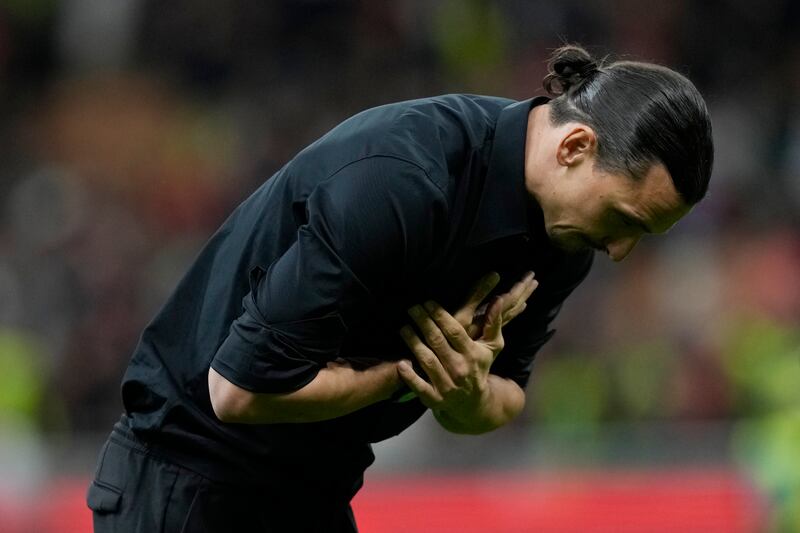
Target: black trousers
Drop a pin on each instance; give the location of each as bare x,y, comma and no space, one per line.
137,491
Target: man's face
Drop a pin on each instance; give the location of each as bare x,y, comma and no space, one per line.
611,212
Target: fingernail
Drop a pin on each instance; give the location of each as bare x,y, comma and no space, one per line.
429,306
416,311
405,332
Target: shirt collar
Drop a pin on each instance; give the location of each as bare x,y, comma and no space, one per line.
505,206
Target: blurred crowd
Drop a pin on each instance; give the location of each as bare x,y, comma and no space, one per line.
130,128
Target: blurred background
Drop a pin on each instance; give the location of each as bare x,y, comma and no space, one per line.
669,400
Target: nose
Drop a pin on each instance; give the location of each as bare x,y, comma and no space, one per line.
620,248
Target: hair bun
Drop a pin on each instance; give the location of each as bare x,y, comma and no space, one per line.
568,67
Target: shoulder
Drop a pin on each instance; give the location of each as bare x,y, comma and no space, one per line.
382,182
425,130
441,133
454,106
431,137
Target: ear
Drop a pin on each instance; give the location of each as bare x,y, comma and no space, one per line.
578,144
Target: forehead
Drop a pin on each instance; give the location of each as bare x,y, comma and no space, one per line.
653,197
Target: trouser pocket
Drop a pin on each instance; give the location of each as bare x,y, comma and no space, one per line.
102,498
131,490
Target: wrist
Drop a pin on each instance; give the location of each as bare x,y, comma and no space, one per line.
471,417
389,381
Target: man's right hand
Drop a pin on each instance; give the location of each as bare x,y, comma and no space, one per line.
472,315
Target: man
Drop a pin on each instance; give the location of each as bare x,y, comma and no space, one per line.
328,311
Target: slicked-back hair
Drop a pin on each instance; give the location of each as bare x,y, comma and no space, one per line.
642,113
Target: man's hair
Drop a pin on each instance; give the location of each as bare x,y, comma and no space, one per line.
643,114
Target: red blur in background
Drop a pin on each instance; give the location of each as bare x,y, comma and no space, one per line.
619,501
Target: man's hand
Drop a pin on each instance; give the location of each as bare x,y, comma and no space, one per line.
456,363
472,315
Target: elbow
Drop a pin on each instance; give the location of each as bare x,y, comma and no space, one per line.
229,402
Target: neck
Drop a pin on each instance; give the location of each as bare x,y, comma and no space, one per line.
538,125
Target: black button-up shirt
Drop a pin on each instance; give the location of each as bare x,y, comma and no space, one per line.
396,205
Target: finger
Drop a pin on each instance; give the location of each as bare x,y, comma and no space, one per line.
434,337
479,292
531,286
520,291
427,359
473,330
520,287
424,390
494,318
513,294
452,330
520,305
517,310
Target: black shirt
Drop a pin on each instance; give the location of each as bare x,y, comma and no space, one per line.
398,204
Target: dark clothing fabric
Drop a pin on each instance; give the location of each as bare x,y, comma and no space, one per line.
136,491
396,205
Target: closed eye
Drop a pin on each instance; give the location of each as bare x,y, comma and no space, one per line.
634,223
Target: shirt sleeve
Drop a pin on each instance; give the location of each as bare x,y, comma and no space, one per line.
374,218
529,331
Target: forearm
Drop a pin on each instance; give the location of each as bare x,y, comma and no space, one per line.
500,403
337,390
